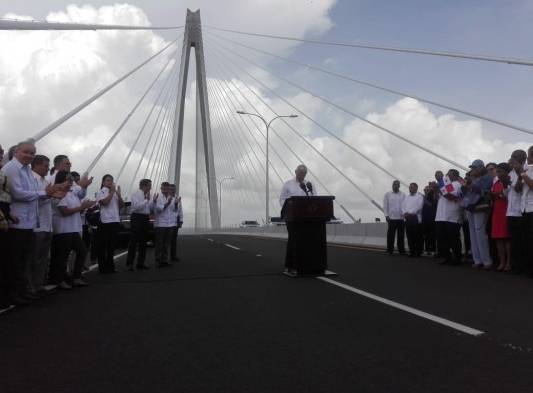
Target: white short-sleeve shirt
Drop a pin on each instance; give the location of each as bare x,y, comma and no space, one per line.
449,210
514,198
527,194
66,224
110,212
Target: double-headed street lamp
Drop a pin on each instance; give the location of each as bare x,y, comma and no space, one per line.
267,124
220,181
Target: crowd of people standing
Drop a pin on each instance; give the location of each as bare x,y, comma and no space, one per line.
492,205
47,220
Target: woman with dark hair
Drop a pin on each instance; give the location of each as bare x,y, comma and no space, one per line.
110,202
67,226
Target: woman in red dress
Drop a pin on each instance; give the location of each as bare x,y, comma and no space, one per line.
499,217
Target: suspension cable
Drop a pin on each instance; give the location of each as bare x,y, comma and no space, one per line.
322,185
171,87
459,55
45,131
127,118
148,117
362,191
388,90
332,134
347,111
18,24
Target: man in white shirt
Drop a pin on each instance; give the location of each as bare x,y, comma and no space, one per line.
42,239
449,218
25,196
527,208
515,221
142,206
392,208
412,212
165,218
178,212
294,187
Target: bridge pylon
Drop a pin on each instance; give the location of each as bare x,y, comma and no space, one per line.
192,38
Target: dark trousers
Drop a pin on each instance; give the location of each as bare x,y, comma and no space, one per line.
429,233
289,259
5,260
414,238
466,236
20,244
62,245
528,225
106,242
139,232
162,244
393,227
449,241
517,234
174,243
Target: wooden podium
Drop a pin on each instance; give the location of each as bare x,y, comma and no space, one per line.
306,218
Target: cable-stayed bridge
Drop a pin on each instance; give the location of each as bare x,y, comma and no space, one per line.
229,79
224,318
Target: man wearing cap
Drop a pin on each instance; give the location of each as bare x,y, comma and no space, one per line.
476,203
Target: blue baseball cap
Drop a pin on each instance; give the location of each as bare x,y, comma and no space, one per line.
477,164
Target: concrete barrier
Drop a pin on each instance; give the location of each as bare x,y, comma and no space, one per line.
370,234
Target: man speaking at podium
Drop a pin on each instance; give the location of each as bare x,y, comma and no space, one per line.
294,187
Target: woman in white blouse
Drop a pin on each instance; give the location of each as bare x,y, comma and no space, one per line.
110,201
67,227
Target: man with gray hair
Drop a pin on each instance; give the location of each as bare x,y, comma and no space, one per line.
25,196
294,187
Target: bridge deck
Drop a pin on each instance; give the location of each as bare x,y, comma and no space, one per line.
225,319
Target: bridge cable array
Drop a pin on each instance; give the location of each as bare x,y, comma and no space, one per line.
457,55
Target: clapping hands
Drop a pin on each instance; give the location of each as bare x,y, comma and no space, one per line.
85,181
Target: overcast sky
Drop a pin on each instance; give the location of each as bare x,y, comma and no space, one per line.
45,74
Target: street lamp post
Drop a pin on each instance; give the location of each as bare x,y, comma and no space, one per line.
220,181
267,125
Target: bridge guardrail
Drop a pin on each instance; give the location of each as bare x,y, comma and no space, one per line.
367,234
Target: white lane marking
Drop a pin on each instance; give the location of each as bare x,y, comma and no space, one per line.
414,311
211,240
230,246
10,307
258,255
120,255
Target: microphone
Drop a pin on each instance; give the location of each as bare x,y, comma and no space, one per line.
302,186
309,187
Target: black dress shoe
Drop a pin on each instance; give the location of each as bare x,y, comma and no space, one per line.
164,264
142,267
175,259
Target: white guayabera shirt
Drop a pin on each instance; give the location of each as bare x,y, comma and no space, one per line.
292,188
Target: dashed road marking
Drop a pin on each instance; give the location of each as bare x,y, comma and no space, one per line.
230,246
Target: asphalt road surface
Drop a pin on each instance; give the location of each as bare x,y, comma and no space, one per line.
225,319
